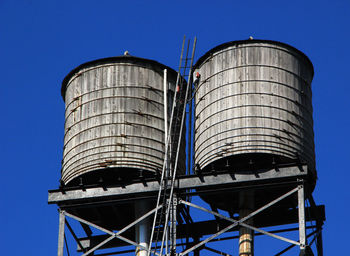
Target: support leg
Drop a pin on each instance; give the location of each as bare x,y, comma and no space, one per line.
246,235
142,228
301,212
319,244
196,251
61,234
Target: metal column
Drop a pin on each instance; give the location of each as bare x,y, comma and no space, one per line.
301,213
196,252
246,235
61,234
319,245
143,228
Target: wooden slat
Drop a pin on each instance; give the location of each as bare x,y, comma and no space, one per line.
114,117
254,98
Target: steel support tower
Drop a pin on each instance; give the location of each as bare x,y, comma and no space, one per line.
74,200
175,231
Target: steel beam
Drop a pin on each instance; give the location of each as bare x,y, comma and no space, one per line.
150,188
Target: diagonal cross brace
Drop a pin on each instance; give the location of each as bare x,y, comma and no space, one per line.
291,246
74,235
111,233
240,222
139,219
243,224
99,245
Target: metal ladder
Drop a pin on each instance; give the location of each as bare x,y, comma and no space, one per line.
166,216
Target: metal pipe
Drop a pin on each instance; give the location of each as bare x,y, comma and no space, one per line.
166,151
179,144
143,228
167,141
165,100
189,138
166,243
246,235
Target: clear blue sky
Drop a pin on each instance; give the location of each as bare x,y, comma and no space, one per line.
41,41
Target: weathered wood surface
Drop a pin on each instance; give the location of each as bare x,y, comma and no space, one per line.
114,117
254,97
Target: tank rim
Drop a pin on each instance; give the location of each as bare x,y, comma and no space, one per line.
249,41
114,59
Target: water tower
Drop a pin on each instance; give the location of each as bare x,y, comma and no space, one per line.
253,152
116,118
253,113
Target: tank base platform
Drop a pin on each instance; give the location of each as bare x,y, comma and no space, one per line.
112,207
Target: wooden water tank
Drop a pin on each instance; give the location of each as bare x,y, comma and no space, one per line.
114,120
253,106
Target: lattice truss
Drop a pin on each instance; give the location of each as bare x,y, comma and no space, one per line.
305,247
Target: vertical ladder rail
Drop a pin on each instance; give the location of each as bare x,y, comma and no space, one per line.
166,152
176,142
189,82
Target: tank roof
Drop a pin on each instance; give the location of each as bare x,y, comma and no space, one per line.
250,41
115,59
